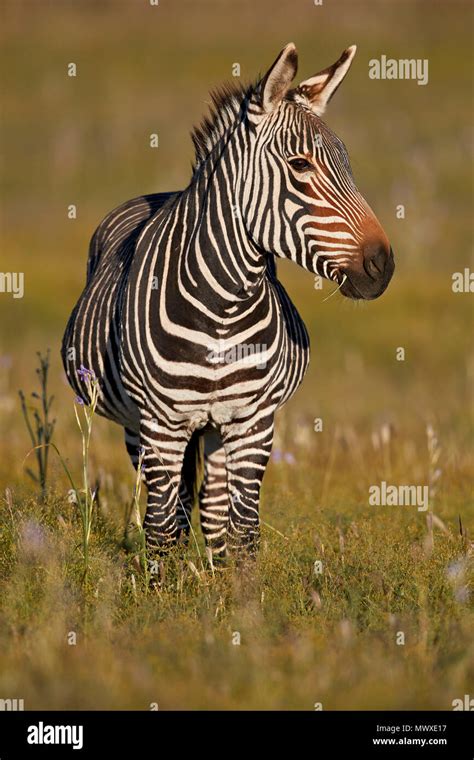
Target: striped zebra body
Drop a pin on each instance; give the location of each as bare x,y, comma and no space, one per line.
100,341
183,319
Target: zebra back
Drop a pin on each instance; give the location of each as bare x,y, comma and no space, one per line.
116,236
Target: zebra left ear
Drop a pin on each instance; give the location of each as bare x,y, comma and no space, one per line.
276,82
317,91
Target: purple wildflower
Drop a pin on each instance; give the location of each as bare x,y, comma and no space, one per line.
278,455
79,400
85,374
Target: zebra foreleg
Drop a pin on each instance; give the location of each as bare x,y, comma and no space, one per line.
214,495
163,453
247,450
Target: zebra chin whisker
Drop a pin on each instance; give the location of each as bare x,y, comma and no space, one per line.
344,278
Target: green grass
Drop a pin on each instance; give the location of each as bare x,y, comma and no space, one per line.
305,638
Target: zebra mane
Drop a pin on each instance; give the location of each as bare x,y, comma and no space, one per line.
228,103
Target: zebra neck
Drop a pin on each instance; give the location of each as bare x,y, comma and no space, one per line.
219,252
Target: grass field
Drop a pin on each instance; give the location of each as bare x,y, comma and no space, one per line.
386,621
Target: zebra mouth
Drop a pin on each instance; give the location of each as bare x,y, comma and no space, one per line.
368,284
346,286
349,290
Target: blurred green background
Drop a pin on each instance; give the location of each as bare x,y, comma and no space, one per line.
143,69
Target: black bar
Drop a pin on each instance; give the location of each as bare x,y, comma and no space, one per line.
369,734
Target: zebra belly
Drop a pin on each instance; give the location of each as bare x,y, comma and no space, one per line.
228,391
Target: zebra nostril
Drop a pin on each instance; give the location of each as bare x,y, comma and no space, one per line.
375,263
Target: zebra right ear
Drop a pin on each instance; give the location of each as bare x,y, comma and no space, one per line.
317,91
277,81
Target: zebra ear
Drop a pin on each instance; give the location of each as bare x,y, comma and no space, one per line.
276,82
317,91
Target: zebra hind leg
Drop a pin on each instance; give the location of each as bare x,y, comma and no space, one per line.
132,443
247,447
164,449
185,501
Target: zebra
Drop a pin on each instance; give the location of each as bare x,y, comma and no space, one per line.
179,283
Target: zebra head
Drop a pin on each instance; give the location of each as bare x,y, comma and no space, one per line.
302,203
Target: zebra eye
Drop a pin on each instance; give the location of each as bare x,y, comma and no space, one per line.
301,164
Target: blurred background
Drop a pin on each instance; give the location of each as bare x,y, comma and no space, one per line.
145,69
85,140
